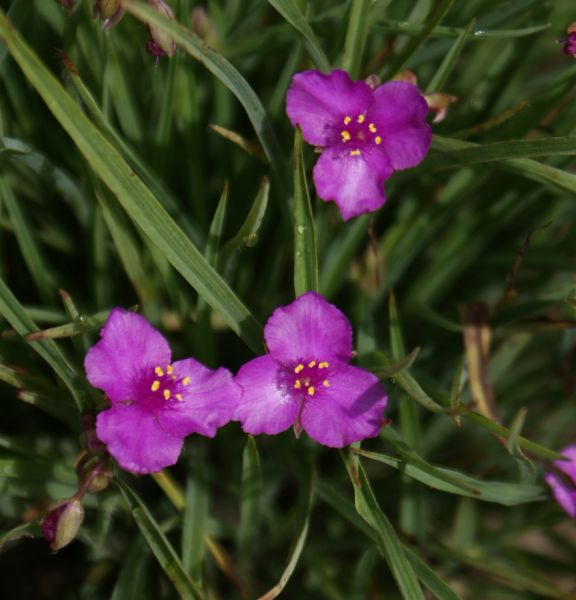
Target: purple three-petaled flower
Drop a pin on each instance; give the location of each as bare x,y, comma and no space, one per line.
305,380
155,402
562,480
365,134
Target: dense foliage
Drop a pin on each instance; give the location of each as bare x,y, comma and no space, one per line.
176,186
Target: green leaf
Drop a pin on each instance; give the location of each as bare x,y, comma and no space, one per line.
248,233
437,12
291,12
455,482
141,205
389,544
358,25
449,61
430,578
160,546
31,529
299,542
131,583
440,31
221,69
305,256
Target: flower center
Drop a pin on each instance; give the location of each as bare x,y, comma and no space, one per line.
166,384
309,377
357,133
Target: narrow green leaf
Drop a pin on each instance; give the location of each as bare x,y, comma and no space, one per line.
221,69
441,31
160,546
305,256
437,13
449,61
395,368
455,482
397,346
15,314
131,583
358,24
248,233
291,12
27,241
83,324
389,544
430,578
466,153
135,198
299,543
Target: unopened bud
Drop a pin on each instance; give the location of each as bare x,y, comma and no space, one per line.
202,26
110,11
408,76
438,103
62,521
160,43
570,41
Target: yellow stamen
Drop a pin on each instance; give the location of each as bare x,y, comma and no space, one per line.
361,118
354,152
159,371
186,380
312,363
169,369
347,120
298,368
166,394
377,139
326,383
323,365
155,386
179,397
298,384
345,136
372,127
311,390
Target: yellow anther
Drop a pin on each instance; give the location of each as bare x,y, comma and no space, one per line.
372,127
186,380
311,390
298,384
326,383
361,118
347,120
166,394
179,397
155,386
312,363
169,369
345,136
323,365
298,368
377,140
354,152
159,371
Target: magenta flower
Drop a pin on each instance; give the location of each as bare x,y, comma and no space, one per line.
155,403
305,380
562,481
365,134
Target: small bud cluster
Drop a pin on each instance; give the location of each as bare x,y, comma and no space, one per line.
63,518
111,11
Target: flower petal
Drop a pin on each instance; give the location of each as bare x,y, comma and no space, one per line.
136,440
399,112
355,183
208,401
129,346
565,497
309,328
348,411
265,405
318,103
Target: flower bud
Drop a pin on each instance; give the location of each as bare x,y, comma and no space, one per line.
160,43
62,521
202,26
570,41
110,11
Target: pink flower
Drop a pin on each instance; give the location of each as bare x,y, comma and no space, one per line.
562,481
365,134
305,380
155,403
